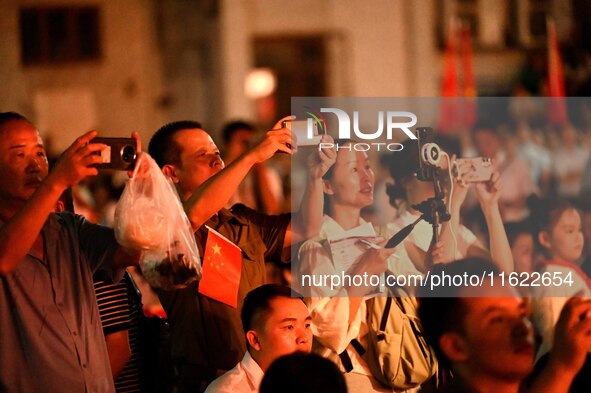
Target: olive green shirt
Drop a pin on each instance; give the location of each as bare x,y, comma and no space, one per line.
206,332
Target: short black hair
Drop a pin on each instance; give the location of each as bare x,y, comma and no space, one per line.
162,147
67,198
442,310
517,228
303,372
401,165
329,174
8,116
404,163
545,214
340,143
231,128
258,301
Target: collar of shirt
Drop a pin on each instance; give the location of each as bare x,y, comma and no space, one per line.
330,227
225,215
252,369
569,265
407,217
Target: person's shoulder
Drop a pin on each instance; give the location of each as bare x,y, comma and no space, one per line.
556,266
314,244
456,385
69,217
72,220
64,216
230,381
240,209
243,212
66,219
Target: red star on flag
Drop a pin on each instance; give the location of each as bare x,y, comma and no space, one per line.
222,264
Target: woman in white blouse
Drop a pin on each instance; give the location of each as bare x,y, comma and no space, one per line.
339,311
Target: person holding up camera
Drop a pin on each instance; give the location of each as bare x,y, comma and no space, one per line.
408,191
50,332
206,333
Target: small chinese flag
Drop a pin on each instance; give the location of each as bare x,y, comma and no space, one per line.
222,264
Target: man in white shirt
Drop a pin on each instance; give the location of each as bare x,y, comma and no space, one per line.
275,324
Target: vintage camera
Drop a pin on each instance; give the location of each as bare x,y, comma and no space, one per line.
481,168
300,129
429,154
120,153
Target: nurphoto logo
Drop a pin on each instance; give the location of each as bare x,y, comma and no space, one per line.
387,120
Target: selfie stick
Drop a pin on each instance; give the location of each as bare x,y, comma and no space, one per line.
402,234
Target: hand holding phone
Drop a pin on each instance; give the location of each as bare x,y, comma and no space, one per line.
120,153
301,129
475,170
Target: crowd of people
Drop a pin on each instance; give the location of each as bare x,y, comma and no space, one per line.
71,314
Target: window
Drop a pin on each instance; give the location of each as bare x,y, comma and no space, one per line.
536,21
299,63
59,35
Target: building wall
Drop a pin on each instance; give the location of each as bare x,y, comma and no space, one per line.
170,59
116,95
377,48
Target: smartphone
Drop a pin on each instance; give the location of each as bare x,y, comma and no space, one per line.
481,168
120,153
300,129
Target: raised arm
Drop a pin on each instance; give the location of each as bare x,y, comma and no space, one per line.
488,196
452,227
309,217
572,342
215,192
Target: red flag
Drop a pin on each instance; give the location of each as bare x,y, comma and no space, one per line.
469,104
557,105
456,113
222,265
449,114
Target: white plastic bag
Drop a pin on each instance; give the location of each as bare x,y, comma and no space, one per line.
150,217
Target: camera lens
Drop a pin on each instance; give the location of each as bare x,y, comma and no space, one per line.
434,154
430,154
128,154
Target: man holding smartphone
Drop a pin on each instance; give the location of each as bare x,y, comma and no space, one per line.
206,334
50,333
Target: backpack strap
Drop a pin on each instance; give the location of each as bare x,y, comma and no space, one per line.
384,320
346,360
416,331
358,347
